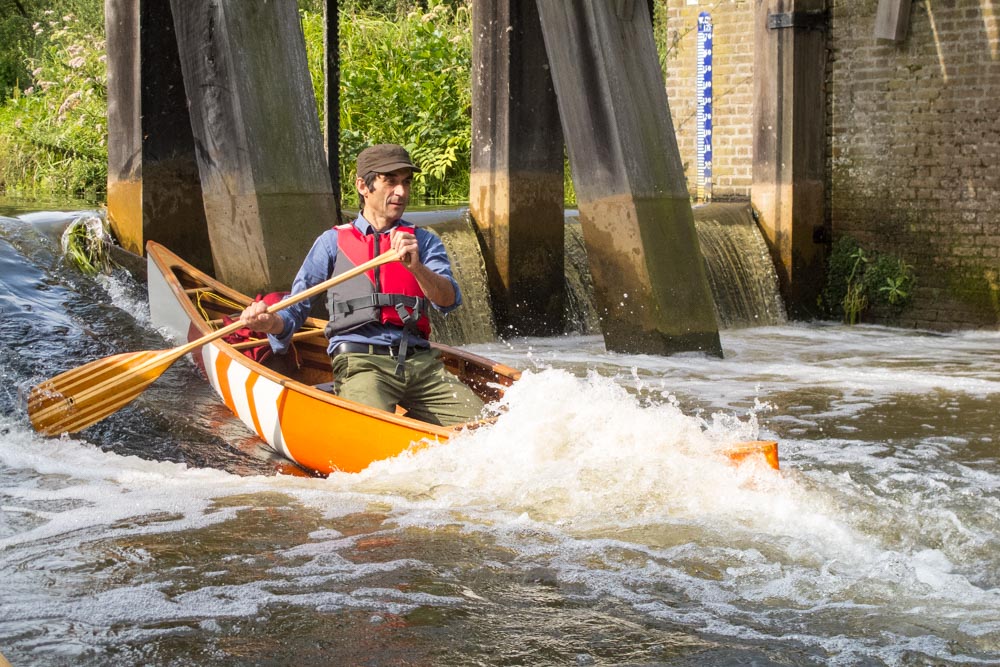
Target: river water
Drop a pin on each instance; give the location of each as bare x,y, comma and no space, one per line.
587,527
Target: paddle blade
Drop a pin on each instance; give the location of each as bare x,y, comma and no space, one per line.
83,396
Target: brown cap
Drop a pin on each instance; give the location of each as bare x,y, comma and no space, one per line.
383,158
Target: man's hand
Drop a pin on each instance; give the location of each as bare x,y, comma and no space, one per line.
257,318
436,288
405,245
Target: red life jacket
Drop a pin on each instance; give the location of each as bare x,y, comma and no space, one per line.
388,294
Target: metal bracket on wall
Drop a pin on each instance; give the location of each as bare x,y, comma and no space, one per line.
805,20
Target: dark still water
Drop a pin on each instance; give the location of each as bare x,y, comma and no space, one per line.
589,526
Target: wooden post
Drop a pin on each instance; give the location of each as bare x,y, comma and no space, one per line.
892,20
789,144
331,85
516,185
650,285
153,186
264,175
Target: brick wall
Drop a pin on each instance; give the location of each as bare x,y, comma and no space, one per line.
913,152
732,81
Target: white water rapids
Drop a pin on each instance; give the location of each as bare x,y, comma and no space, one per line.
591,525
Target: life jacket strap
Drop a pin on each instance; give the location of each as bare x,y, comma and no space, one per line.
409,309
381,300
409,324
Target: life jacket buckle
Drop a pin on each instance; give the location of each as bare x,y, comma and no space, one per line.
404,315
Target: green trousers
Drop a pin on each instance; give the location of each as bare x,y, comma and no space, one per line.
428,392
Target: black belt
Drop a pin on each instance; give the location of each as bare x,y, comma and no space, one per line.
365,348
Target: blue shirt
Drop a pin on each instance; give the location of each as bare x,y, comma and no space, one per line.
318,266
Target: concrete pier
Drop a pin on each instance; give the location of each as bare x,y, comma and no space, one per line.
264,176
790,144
649,279
516,182
153,186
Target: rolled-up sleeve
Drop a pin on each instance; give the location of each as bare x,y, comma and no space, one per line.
317,267
435,257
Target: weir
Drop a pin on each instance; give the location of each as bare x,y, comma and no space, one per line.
249,99
745,285
743,280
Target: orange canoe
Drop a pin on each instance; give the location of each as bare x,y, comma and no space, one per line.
284,402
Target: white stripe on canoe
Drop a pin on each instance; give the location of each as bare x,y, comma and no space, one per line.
208,355
266,395
238,376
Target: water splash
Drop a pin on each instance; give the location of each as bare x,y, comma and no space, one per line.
583,452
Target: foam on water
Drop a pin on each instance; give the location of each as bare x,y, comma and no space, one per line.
577,451
602,477
579,476
123,294
95,490
582,462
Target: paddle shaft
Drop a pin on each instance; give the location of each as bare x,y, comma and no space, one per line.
85,395
384,258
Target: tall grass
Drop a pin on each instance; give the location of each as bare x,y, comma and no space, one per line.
53,137
405,79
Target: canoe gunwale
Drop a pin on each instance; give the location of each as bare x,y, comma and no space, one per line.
310,426
169,265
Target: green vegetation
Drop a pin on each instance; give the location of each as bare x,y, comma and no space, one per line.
53,124
85,245
858,281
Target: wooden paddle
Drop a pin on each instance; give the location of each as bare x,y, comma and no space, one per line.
83,396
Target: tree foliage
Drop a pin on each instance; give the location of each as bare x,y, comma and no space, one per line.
405,78
405,67
55,122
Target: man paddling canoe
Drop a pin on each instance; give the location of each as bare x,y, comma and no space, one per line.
379,330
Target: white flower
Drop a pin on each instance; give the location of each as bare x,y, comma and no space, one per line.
77,63
69,103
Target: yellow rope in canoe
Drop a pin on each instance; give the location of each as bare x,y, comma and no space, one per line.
221,300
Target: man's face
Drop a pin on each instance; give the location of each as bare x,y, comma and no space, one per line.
386,201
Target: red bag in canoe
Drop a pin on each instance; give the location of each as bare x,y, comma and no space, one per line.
259,353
